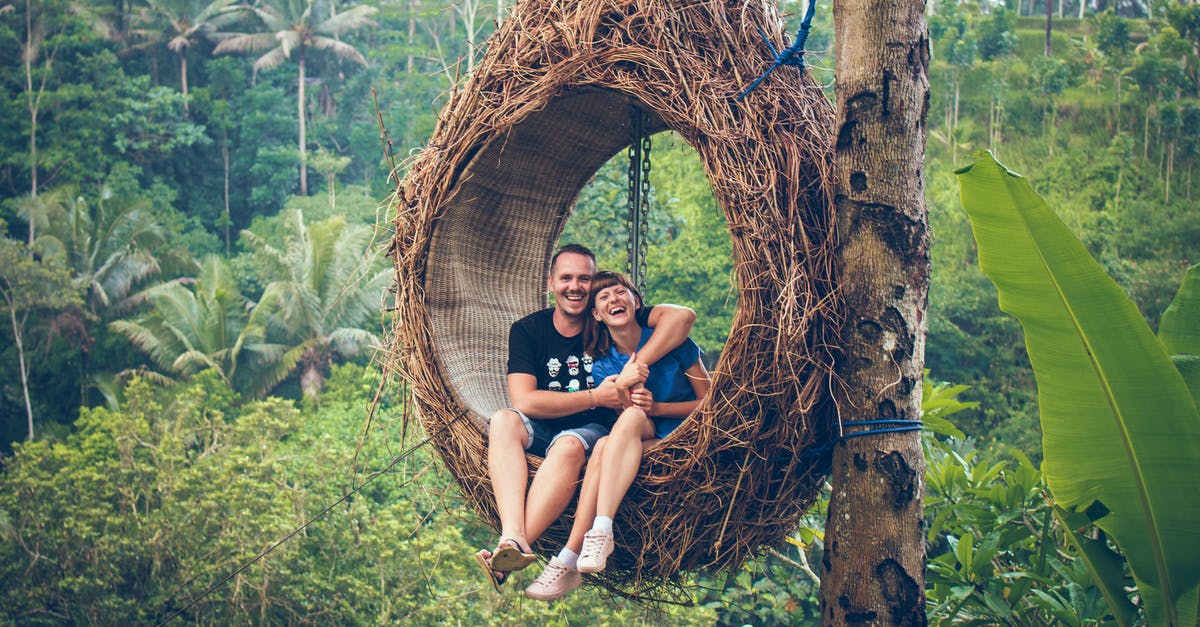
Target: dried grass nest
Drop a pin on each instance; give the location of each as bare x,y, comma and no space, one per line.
481,209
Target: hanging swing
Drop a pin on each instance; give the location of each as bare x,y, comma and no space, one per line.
482,207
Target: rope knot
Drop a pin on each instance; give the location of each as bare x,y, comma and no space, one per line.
792,56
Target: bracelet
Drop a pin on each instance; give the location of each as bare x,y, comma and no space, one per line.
591,398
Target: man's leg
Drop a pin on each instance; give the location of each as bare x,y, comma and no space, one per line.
553,485
561,575
507,439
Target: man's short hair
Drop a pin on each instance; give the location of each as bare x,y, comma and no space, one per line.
578,249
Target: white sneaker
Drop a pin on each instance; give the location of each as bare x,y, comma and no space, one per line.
554,582
597,546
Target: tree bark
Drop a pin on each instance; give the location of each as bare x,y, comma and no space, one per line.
300,112
183,80
874,564
1048,24
16,328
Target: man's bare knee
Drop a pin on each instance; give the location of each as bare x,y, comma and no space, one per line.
506,426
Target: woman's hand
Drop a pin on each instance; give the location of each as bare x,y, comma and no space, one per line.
633,374
642,399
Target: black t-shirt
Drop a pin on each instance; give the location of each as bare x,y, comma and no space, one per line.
535,347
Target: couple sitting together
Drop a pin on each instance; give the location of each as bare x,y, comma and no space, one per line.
592,381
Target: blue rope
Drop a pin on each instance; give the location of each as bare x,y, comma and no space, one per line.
793,56
823,451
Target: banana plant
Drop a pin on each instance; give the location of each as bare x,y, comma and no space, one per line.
1120,428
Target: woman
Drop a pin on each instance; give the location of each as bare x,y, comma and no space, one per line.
656,399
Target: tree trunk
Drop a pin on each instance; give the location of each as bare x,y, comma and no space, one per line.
225,163
16,328
874,565
300,112
412,35
954,129
183,81
1048,16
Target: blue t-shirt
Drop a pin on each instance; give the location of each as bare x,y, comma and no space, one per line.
667,382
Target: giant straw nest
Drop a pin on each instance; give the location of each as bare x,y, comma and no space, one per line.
481,209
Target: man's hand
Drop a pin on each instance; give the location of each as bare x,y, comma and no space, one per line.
633,374
606,394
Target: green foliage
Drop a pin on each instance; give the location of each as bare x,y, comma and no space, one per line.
997,34
40,300
323,288
196,327
109,242
995,553
1121,432
150,124
142,509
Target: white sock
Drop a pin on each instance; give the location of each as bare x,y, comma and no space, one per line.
603,524
569,557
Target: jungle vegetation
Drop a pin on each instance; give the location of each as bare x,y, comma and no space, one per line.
192,279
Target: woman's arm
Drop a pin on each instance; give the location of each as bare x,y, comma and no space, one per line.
697,375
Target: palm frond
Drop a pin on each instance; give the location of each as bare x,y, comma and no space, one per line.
193,361
245,42
340,48
346,21
349,342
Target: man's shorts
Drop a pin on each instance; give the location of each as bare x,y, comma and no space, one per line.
544,433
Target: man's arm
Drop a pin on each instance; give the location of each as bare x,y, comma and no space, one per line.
672,324
535,403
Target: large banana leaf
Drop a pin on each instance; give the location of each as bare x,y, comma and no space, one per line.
1179,330
1120,433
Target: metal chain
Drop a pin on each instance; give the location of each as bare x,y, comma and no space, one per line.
637,221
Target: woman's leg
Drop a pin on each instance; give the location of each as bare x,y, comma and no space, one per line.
622,457
585,509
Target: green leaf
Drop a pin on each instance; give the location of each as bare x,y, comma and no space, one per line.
1104,565
1119,427
1179,328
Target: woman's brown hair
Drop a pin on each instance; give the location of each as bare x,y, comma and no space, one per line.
596,340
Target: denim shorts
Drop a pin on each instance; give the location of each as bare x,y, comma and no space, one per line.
544,433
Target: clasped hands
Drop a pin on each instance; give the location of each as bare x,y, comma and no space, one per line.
627,389
631,385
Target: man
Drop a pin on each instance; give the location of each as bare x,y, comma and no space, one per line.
558,411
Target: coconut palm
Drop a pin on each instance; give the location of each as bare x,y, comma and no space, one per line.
182,24
293,27
327,288
110,245
192,324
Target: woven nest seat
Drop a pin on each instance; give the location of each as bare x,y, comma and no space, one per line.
481,208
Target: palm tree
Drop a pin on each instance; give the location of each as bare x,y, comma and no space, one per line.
327,287
182,23
109,245
197,324
296,26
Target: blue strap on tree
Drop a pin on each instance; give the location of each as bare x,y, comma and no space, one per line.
793,55
823,454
